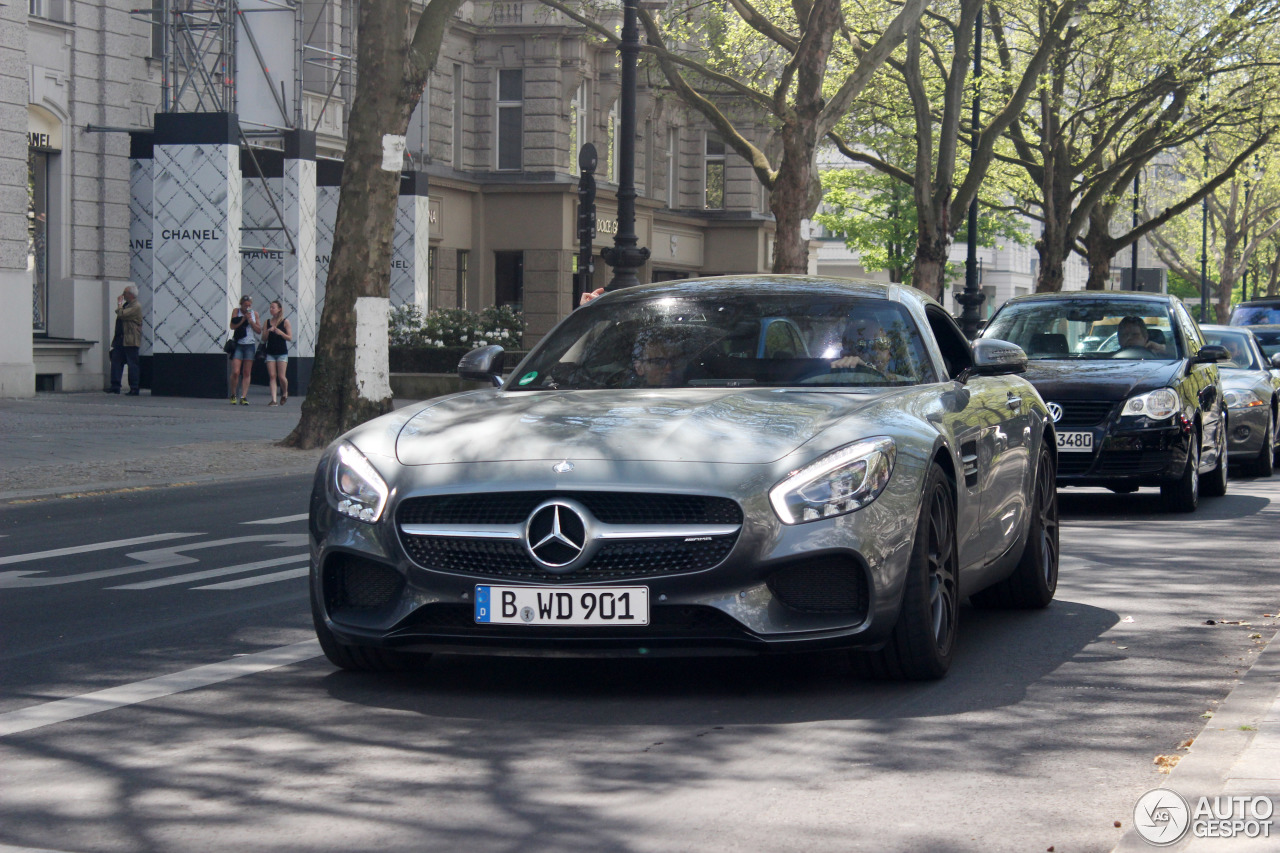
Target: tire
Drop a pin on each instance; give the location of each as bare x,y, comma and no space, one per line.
1183,494
923,639
1035,579
1264,464
361,658
1215,486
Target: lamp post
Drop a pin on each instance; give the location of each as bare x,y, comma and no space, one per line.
1133,263
1204,246
972,297
624,255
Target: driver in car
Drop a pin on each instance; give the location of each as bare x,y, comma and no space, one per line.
658,360
1132,332
866,344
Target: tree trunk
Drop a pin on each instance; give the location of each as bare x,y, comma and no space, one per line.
350,379
1100,248
932,252
795,197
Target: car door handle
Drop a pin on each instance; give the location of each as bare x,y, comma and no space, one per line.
1014,401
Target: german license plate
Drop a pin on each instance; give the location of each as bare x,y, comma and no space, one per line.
1075,442
580,605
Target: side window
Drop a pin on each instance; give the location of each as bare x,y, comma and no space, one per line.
1192,332
955,348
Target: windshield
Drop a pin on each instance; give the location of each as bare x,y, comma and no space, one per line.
1093,329
1255,315
1237,343
1268,341
691,342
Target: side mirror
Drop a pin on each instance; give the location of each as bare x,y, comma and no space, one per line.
993,357
483,364
1275,360
1211,354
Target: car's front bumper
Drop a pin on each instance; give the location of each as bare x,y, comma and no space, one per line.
1246,432
1127,456
732,607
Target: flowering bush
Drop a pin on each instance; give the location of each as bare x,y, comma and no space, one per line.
456,327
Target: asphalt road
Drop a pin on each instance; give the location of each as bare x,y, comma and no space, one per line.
204,721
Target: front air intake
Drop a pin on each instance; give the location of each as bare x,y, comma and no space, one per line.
353,583
832,585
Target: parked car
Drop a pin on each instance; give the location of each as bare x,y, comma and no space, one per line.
1256,312
636,488
1143,408
1268,338
1251,387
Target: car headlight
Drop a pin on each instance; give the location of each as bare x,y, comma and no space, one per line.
1242,399
361,491
1157,405
838,482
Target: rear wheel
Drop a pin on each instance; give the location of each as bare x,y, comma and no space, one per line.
1183,494
1264,464
1035,580
923,639
1215,485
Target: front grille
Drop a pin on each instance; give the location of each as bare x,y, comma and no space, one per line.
664,620
641,558
608,507
823,585
1083,413
1113,463
353,583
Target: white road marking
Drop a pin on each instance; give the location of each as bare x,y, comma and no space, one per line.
257,579
213,573
85,549
26,719
5,848
159,558
284,519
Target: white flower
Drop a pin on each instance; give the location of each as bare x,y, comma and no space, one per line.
463,339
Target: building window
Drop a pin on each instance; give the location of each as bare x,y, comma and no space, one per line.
646,174
579,122
508,279
713,173
433,255
510,119
457,116
157,29
464,260
673,167
53,10
611,144
38,238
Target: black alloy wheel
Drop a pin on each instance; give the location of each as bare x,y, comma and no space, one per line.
1264,464
1035,579
924,637
1183,494
1215,486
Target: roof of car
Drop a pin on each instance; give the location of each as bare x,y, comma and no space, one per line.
1269,302
1086,295
1213,327
765,284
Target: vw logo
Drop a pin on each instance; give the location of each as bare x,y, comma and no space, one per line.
562,467
556,535
1055,411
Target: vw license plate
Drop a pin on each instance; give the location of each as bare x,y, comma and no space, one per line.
1075,442
580,605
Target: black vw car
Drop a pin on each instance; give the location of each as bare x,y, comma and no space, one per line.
1132,386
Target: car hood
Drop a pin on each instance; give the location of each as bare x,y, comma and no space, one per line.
753,426
1242,379
1109,379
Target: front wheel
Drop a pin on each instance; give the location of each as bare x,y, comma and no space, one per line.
1264,464
1035,579
923,639
1183,494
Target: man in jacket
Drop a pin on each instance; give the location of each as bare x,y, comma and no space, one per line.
125,342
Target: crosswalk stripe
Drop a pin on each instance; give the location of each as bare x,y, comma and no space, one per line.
62,710
99,546
258,579
284,519
213,573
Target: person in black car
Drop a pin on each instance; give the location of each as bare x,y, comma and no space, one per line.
1132,332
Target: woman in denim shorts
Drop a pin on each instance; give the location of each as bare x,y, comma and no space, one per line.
245,329
278,333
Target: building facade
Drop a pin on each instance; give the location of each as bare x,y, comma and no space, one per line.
121,104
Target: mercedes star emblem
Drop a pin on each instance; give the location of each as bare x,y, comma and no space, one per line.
562,467
1055,412
555,535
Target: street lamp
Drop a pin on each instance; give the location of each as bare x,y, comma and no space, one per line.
1204,245
973,296
624,255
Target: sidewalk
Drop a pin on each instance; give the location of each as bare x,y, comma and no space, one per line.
57,443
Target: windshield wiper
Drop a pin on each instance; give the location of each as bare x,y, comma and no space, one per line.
721,383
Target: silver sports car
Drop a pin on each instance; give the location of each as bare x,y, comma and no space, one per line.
1251,390
747,464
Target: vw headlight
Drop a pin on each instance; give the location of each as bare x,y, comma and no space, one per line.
361,491
1157,405
841,481
1242,399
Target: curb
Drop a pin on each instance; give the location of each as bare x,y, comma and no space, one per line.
1226,739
